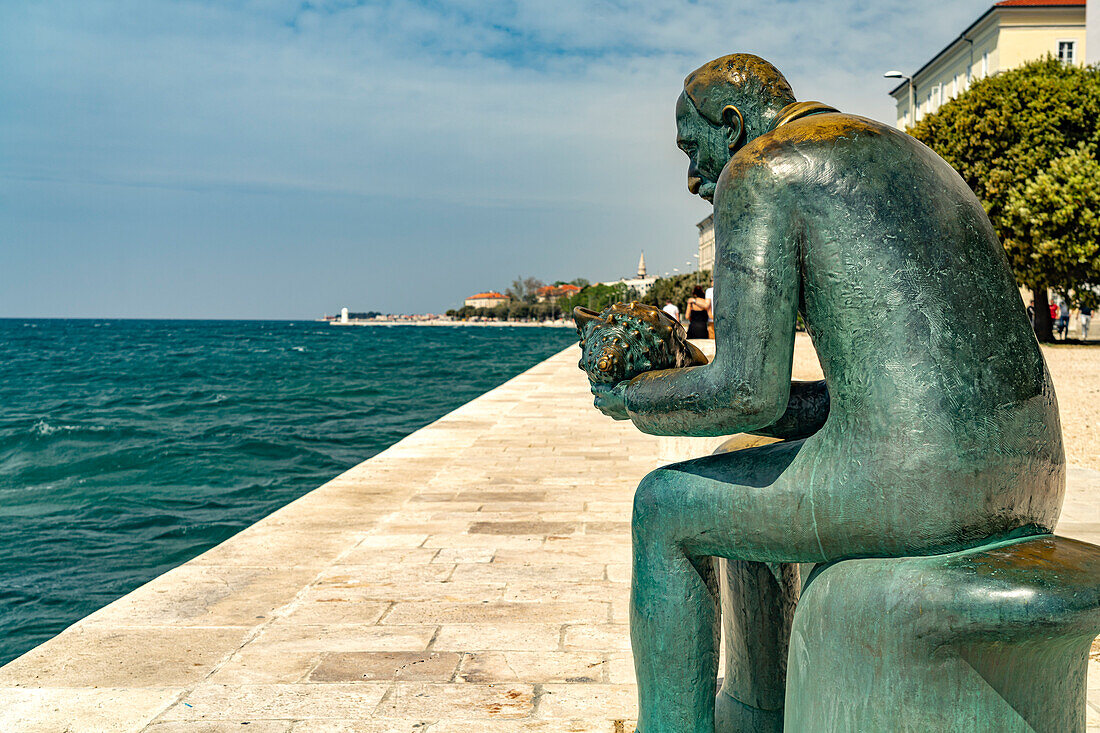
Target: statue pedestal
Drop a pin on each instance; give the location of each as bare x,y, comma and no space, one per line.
990,639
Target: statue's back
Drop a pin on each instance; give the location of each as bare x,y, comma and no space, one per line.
922,335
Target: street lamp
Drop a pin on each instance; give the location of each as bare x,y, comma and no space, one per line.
909,79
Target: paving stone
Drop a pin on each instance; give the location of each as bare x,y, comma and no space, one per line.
359,726
256,666
199,595
597,701
599,637
91,656
285,636
487,702
499,637
222,726
97,710
383,666
495,612
464,555
523,528
576,725
575,667
290,702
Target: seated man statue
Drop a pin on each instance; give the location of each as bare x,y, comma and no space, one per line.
940,427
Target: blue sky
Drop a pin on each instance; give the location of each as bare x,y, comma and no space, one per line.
205,159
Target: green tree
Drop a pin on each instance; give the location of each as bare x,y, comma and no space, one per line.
524,289
1055,219
676,289
595,297
1003,132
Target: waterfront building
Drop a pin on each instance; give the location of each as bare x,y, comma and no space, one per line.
488,299
640,283
1009,34
551,293
706,243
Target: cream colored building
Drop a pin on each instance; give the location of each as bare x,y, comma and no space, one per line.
706,243
490,299
1007,35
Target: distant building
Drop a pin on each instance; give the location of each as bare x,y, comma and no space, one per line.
1092,32
706,243
487,300
343,315
1007,35
641,283
551,293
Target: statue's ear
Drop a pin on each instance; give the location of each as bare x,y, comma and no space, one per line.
583,316
731,118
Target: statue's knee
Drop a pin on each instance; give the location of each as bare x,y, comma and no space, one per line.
653,503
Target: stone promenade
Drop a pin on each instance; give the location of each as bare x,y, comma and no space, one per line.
473,577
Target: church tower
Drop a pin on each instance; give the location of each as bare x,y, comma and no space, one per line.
641,267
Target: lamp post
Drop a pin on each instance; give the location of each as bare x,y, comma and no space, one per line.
909,80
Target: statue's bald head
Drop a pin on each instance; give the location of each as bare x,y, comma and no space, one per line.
740,80
726,104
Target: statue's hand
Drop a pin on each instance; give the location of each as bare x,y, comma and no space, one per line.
611,400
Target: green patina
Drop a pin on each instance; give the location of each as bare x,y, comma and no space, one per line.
935,430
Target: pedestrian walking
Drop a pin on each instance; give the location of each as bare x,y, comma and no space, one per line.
1084,317
673,310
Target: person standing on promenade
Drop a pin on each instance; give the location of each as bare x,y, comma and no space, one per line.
1084,317
710,309
1063,319
673,310
698,313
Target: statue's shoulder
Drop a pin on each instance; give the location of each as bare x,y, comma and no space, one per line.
806,140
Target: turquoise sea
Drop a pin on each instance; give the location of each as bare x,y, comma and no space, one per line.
129,447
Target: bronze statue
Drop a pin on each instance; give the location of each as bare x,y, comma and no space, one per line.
935,430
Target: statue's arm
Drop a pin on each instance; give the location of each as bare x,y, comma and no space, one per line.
747,385
807,409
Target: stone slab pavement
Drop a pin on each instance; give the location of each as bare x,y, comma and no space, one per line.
472,577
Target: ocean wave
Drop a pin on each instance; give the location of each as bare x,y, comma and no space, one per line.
127,450
43,428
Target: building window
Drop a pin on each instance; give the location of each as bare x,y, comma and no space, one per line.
985,64
1067,51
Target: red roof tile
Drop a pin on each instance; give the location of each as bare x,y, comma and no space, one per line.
486,295
1036,3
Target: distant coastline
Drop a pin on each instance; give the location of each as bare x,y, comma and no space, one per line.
447,322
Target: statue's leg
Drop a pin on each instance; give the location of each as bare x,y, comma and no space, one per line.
684,514
758,605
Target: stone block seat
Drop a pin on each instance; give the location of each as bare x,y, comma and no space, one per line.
989,639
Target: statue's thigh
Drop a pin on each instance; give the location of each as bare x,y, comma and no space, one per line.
747,505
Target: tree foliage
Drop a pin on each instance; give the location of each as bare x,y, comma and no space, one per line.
596,297
1055,219
524,289
676,289
1004,135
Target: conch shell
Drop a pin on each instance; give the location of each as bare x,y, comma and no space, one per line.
627,339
